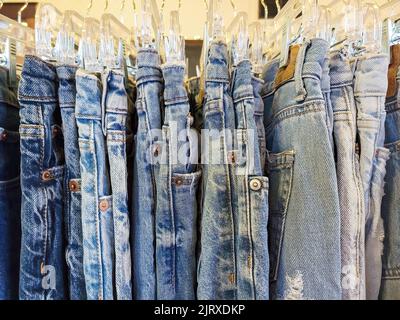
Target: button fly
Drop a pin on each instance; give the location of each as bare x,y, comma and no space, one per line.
255,185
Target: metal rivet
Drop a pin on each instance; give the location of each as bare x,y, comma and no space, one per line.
231,278
255,185
4,136
178,181
104,205
46,176
232,157
156,151
73,186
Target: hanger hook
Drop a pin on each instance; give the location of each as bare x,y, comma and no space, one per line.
162,7
22,10
278,5
89,8
1,4
134,5
106,6
206,4
122,5
265,8
179,4
234,7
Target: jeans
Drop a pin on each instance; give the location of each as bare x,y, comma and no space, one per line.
115,103
177,182
370,87
351,196
42,268
216,271
10,192
250,192
72,185
390,287
259,117
304,221
149,91
97,201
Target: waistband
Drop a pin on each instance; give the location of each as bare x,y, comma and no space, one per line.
67,90
38,81
217,66
325,78
242,81
371,76
341,72
174,89
88,95
148,62
269,74
257,87
115,98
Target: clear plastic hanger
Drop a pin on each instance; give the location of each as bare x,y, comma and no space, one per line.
372,29
87,53
110,29
257,47
316,20
150,32
174,42
238,35
19,17
390,14
16,41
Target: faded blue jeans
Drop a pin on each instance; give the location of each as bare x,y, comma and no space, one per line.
250,191
177,183
216,271
149,91
370,87
304,220
390,288
10,192
43,269
72,185
351,195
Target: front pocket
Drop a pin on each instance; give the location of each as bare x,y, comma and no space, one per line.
280,170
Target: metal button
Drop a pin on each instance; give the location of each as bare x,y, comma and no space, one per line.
46,176
4,136
255,185
156,152
231,278
104,205
178,181
73,186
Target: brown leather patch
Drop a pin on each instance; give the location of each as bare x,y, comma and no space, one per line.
287,72
393,70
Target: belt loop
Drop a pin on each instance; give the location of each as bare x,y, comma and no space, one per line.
301,92
105,79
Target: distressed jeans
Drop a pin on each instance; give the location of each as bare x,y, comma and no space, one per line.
304,220
42,269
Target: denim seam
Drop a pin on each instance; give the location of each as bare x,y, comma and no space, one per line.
295,111
4,185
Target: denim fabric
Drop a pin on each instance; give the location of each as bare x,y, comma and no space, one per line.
97,209
217,262
370,87
10,192
390,287
42,270
351,195
177,183
326,92
72,184
259,117
250,192
115,102
149,90
268,90
304,221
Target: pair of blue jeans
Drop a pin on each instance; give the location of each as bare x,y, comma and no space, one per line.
351,196
304,220
370,88
148,105
390,285
101,113
249,188
42,263
177,181
72,184
10,192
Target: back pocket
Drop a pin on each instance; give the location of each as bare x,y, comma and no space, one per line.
280,170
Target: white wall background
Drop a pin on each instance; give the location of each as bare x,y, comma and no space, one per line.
193,12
